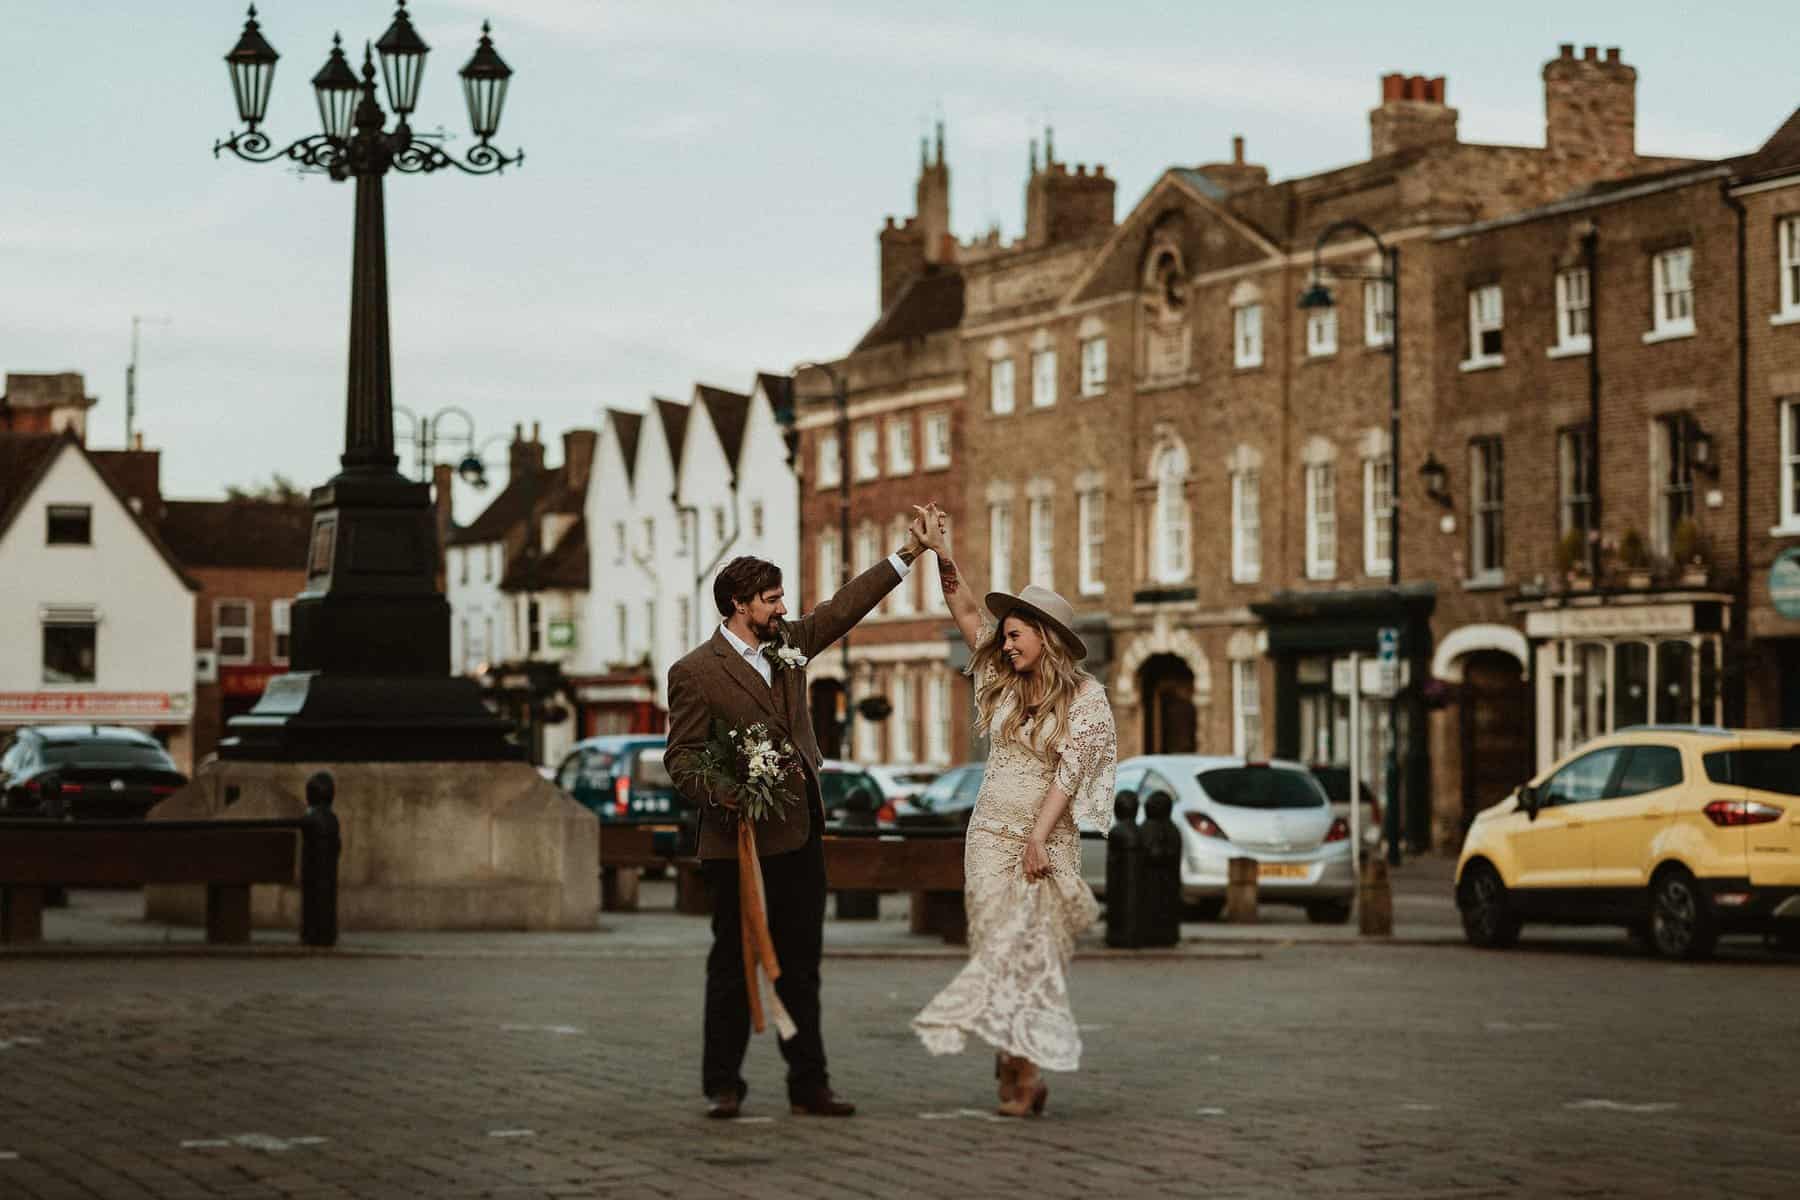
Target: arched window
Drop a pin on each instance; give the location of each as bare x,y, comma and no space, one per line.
1171,553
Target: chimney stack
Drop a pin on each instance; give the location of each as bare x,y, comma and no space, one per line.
1590,115
578,458
523,456
1413,113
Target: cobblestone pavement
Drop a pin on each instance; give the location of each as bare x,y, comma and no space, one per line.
1352,1070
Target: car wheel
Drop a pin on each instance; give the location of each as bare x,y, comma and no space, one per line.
1209,909
1328,912
1681,919
1487,914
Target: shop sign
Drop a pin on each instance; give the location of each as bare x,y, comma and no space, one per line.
93,706
246,681
1610,621
1784,584
562,635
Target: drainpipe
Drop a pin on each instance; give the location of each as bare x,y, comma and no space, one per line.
1737,681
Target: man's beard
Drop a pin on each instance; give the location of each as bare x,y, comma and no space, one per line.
767,630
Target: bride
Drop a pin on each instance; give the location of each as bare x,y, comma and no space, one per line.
1051,761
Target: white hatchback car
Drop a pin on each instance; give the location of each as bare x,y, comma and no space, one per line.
1274,812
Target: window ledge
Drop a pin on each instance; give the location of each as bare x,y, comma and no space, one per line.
1487,581
1093,590
1786,530
1315,575
1378,570
1386,344
1247,580
1247,366
1672,334
1321,355
1787,316
943,466
1569,349
1094,395
1481,364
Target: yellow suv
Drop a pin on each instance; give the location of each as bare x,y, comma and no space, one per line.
1678,833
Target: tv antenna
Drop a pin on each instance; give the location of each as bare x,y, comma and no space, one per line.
131,375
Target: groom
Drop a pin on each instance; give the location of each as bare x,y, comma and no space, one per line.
737,678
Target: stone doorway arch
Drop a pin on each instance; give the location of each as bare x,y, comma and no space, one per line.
1182,678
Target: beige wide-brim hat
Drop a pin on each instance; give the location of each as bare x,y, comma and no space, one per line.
1046,606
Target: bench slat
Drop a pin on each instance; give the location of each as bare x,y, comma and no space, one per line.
117,856
898,865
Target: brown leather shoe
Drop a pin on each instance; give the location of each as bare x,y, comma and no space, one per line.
724,1106
823,1103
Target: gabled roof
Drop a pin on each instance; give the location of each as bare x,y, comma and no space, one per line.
780,391
523,492
730,413
238,533
929,303
628,425
1779,155
25,458
674,423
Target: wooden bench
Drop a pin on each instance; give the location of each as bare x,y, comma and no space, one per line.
931,868
227,856
626,850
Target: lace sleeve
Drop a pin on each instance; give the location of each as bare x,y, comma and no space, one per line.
982,638
1086,757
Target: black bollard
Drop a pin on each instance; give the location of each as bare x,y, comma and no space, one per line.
1159,874
56,808
319,845
1122,861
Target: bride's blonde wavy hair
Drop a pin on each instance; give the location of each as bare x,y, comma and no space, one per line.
1003,695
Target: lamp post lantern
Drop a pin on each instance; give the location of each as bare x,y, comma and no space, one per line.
1318,295
370,665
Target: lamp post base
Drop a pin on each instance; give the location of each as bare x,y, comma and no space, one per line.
311,716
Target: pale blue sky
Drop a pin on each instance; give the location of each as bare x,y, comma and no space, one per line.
704,180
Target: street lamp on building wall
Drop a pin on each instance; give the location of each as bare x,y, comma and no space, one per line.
841,398
1318,296
424,433
370,665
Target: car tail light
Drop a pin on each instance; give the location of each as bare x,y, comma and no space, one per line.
1741,812
72,789
885,813
622,795
1205,826
1339,831
163,789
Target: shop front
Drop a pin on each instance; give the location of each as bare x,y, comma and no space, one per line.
1617,660
1324,646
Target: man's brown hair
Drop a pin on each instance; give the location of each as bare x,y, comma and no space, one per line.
744,578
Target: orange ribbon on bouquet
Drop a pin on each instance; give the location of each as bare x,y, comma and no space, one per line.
759,947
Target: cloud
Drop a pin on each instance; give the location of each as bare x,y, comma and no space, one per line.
678,127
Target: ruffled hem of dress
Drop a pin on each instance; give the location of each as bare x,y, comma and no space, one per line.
940,1040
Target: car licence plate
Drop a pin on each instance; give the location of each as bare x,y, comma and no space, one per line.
1281,870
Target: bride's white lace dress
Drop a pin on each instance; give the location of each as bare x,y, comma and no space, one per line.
1014,994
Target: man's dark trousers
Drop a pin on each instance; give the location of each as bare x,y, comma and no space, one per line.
794,885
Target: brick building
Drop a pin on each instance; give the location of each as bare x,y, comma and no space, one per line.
249,558
1613,502
1221,458
904,386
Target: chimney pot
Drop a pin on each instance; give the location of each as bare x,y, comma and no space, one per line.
1237,149
535,426
1100,171
1393,86
1566,50
1590,54
1612,54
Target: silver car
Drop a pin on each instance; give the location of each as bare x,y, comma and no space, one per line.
1274,812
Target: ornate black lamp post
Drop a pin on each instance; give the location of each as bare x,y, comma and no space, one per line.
1317,295
370,675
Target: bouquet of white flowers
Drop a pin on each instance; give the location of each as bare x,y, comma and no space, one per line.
753,764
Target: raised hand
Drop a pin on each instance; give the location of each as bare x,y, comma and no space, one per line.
931,527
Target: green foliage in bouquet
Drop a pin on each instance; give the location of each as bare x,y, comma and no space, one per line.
752,764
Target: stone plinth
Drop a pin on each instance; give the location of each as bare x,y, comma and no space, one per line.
464,845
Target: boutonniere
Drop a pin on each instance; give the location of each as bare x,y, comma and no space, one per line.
785,657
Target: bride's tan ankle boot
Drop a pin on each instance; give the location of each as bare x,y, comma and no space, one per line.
1006,1074
1029,1091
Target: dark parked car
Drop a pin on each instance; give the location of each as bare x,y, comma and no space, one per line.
851,794
621,777
945,803
84,771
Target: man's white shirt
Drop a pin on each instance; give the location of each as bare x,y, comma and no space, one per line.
757,656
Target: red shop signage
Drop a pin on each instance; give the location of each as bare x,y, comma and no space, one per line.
86,704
